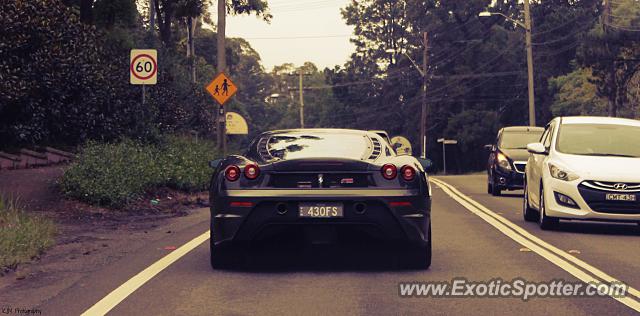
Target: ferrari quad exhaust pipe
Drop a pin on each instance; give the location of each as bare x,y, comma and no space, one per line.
360,208
281,208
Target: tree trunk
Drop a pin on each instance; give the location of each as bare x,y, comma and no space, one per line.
152,16
164,20
191,53
189,36
86,11
194,22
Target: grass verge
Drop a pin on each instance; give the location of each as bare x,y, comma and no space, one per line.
22,236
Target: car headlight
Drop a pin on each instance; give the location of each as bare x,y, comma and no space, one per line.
561,174
503,162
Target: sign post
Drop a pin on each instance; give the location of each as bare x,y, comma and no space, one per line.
143,68
444,150
221,88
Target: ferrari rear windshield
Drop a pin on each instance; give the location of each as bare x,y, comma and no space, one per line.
318,145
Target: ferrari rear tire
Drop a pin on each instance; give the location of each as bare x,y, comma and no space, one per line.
417,256
226,257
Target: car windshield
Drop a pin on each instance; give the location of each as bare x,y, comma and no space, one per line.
518,140
599,140
318,145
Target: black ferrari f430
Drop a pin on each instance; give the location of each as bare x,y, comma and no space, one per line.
321,186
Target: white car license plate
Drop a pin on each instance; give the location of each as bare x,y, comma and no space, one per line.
321,210
620,197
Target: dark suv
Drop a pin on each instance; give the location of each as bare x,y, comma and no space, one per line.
508,158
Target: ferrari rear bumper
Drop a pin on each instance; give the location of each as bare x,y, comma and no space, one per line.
385,215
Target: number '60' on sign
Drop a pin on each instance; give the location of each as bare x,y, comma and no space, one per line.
143,67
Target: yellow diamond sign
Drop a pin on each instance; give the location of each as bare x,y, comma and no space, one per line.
222,88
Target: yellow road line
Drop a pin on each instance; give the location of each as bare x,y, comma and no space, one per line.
540,247
123,291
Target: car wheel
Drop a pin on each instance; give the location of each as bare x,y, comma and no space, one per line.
489,186
546,222
529,214
495,188
226,257
417,256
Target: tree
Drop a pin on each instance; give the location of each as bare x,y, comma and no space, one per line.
575,94
165,11
611,50
109,13
190,10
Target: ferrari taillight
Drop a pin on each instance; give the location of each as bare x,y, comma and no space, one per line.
389,171
232,173
251,171
408,173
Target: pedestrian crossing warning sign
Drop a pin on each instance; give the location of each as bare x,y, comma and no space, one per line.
222,88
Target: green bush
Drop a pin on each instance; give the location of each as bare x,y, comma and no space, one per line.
22,236
185,163
114,174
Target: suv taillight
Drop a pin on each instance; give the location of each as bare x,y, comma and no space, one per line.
408,173
232,173
251,171
389,171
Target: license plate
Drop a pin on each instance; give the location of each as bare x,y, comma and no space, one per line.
620,197
321,210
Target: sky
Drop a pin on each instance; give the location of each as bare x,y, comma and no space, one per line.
300,31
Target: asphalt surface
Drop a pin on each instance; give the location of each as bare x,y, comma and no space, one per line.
348,281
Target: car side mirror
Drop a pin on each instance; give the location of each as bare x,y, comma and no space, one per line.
427,164
213,164
537,148
488,147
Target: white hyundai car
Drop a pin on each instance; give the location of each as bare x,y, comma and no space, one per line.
584,168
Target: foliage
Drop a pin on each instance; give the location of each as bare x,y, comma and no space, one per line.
611,50
65,82
114,174
473,129
108,13
575,94
22,236
476,67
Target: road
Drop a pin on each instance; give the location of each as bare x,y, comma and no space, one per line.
466,244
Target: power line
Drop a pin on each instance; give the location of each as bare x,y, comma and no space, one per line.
534,34
570,35
297,37
622,28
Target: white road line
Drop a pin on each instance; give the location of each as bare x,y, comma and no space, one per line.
597,272
123,291
524,240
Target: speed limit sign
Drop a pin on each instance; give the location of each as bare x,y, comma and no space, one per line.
144,66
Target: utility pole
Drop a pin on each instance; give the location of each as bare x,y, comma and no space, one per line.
222,67
423,120
301,99
527,23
